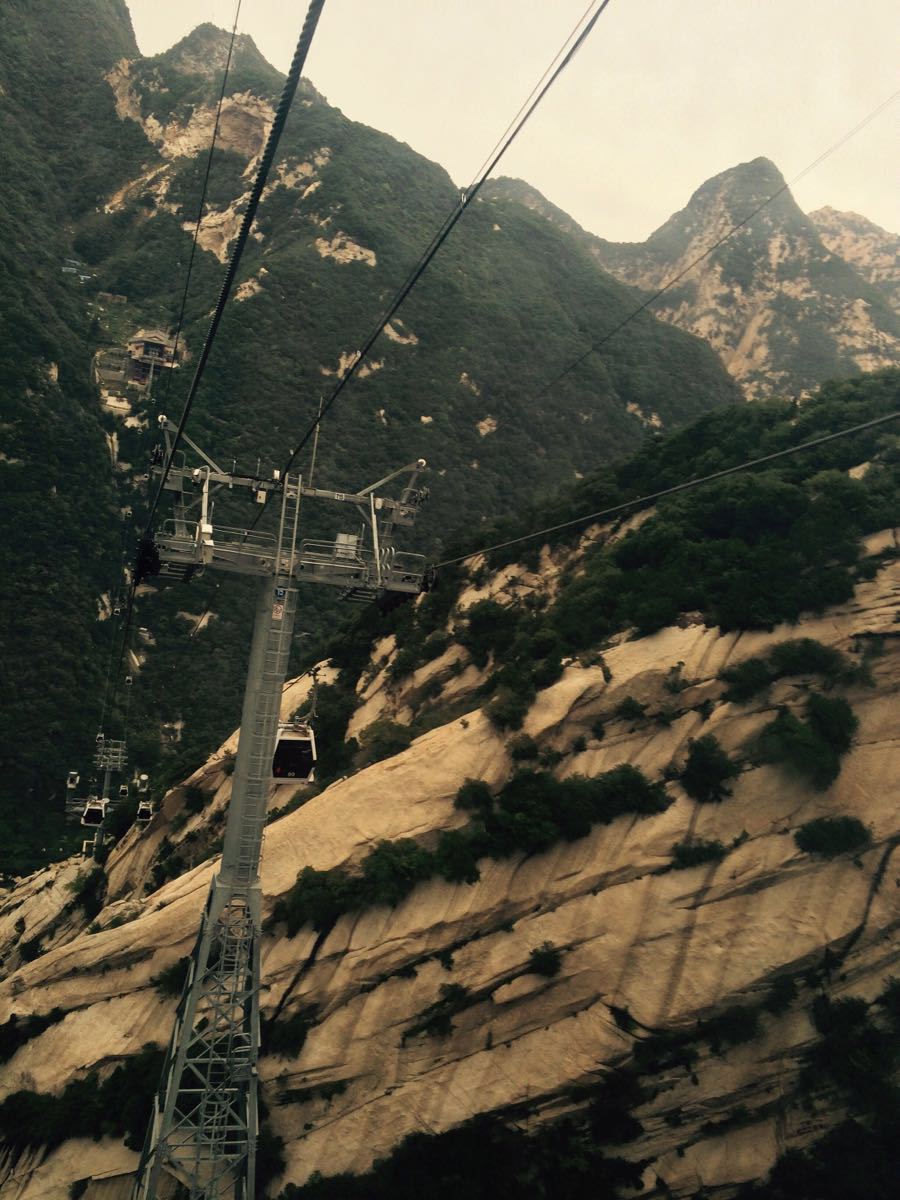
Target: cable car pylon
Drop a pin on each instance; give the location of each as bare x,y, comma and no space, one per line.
205,1121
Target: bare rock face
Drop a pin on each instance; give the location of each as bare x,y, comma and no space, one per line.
786,301
644,949
870,250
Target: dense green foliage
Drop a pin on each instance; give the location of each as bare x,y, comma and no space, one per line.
831,836
529,814
852,1162
545,959
707,771
437,1019
857,1055
170,980
286,1036
89,890
486,1159
15,1032
746,552
731,1027
812,748
799,656
61,531
695,851
384,738
117,1106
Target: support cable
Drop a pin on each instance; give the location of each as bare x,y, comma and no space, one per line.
277,128
109,663
614,509
570,48
129,609
315,445
670,283
202,204
115,635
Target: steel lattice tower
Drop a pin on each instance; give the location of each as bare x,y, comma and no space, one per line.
204,1127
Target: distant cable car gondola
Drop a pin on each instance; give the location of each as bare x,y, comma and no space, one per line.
123,791
144,813
94,811
295,753
143,784
73,780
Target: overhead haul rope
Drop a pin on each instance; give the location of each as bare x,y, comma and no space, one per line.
115,635
202,204
564,56
290,87
277,128
109,663
614,509
129,608
670,283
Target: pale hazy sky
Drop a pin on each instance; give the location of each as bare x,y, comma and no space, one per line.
665,93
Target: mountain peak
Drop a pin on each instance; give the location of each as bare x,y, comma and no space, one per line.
786,300
204,52
731,197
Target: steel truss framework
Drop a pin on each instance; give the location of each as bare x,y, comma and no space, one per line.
205,1122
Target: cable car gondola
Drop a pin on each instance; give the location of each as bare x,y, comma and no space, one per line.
94,811
295,753
123,791
73,780
143,784
144,813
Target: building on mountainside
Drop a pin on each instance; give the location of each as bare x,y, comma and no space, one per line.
148,351
110,371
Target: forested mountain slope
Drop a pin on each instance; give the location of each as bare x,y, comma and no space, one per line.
61,536
597,889
106,152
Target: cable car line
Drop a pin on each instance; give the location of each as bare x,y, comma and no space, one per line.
275,131
678,487
116,612
202,203
564,56
126,625
670,283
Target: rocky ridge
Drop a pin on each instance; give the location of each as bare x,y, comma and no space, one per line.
787,301
868,248
644,949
